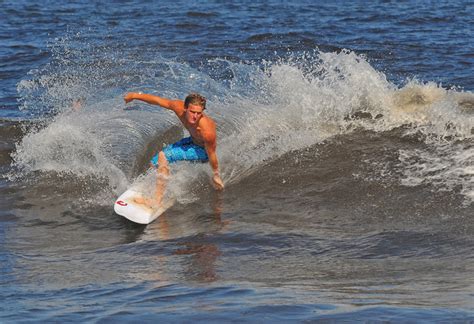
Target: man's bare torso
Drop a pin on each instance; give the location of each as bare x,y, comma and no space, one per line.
196,131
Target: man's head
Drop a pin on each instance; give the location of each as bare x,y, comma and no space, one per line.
195,99
194,105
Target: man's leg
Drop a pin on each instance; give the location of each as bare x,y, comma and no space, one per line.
163,171
162,176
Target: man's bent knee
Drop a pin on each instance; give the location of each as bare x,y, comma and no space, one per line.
162,163
162,157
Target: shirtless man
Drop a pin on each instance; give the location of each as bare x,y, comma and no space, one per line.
199,147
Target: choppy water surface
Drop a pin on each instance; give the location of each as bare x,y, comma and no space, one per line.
345,136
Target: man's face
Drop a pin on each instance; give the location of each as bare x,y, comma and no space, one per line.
193,114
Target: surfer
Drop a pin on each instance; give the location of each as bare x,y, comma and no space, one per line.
199,147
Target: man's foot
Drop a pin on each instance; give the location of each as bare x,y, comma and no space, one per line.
150,203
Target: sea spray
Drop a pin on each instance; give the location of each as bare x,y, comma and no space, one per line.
263,111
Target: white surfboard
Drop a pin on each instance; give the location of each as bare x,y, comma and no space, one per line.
139,213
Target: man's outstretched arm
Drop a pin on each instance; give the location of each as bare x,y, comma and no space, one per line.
155,100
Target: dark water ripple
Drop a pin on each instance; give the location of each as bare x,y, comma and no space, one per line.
173,300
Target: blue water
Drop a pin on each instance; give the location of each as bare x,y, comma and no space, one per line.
345,134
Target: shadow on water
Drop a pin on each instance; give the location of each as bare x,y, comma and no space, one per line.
188,231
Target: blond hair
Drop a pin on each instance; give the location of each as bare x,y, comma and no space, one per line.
195,99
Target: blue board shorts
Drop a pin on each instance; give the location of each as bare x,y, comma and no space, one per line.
183,150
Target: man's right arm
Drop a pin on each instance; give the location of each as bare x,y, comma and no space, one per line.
175,105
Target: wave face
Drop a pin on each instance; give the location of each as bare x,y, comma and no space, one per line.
264,111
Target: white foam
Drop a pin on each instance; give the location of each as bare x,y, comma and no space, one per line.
447,167
263,112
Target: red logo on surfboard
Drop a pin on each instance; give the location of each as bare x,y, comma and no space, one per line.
122,203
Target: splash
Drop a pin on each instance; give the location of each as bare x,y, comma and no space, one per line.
66,146
263,110
313,98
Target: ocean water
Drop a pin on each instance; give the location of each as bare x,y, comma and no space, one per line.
345,140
